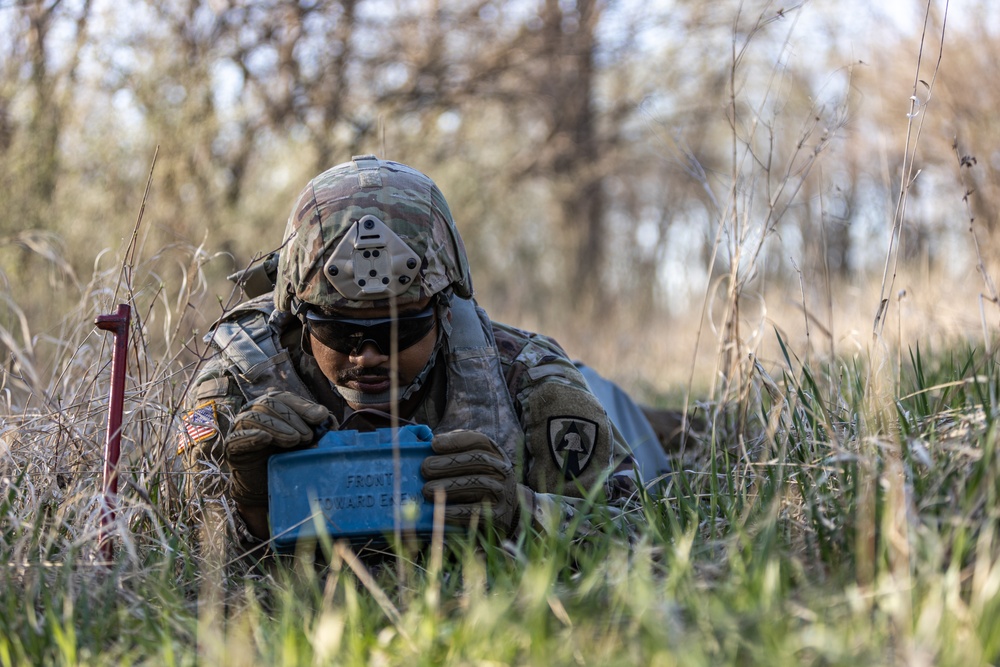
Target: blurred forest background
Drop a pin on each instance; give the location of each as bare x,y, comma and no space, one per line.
648,181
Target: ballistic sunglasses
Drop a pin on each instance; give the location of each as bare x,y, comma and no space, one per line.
348,335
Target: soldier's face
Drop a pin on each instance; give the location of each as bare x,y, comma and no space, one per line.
368,368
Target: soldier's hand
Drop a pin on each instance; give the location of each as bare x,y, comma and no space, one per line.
476,476
277,421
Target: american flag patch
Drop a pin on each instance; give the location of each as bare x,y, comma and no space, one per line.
199,424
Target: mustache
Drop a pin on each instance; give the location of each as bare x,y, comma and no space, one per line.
349,374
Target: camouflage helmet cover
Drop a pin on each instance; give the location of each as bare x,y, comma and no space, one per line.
369,191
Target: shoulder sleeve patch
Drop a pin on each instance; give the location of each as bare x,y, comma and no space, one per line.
572,441
198,425
568,439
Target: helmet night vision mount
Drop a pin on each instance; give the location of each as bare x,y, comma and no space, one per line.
368,232
371,262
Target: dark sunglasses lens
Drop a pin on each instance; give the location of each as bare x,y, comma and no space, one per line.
337,336
349,335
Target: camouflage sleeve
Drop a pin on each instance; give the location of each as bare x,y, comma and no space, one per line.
209,409
575,461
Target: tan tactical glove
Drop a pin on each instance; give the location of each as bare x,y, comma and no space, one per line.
276,422
473,472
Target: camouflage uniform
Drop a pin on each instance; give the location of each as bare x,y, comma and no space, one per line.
518,388
549,397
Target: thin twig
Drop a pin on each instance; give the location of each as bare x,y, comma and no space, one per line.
907,174
129,257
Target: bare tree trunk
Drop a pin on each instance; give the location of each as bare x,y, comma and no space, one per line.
43,128
570,44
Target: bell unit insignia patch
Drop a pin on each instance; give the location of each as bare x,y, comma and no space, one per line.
571,443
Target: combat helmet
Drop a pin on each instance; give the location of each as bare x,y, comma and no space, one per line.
366,232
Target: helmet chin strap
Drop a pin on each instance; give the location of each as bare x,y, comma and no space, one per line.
401,394
355,397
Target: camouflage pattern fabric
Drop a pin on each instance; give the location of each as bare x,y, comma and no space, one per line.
401,197
569,445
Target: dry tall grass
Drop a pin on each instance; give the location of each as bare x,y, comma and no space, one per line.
838,510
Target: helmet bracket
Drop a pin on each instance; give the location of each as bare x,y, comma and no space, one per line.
371,262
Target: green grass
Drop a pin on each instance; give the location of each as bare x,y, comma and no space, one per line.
852,521
831,514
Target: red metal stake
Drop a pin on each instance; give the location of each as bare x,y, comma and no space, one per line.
116,323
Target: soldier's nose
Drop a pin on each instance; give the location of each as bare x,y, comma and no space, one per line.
368,355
